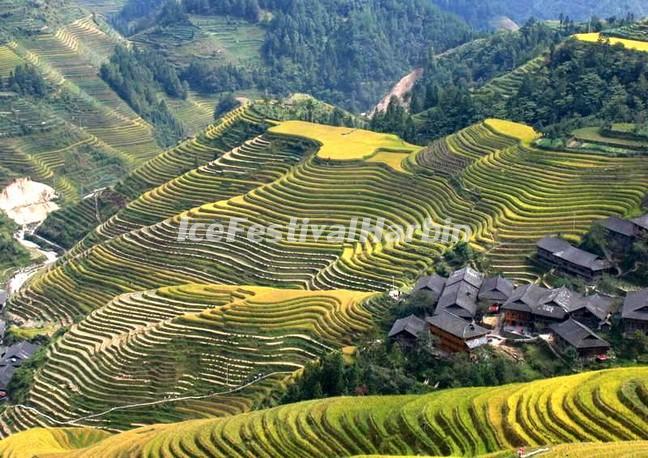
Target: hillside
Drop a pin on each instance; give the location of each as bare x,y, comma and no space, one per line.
80,135
480,12
224,251
134,322
187,352
72,131
555,79
470,178
344,53
606,406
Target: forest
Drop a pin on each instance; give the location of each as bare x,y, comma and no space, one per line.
349,53
137,75
577,84
345,53
26,80
478,13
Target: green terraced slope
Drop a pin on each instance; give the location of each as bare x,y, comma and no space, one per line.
82,136
229,132
508,85
225,348
607,407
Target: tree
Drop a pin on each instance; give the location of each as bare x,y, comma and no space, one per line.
25,79
572,359
333,374
226,103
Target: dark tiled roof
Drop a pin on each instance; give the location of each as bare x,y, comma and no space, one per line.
496,288
556,303
468,275
553,244
461,296
457,326
578,335
642,221
551,303
565,298
526,298
20,351
563,250
6,372
619,225
583,258
433,283
412,325
598,305
635,306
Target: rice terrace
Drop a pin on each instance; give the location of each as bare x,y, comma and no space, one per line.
205,272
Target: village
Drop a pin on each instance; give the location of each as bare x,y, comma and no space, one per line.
471,310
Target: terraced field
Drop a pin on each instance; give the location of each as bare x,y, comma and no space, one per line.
103,7
508,193
507,85
227,133
603,407
635,31
71,57
82,136
8,61
139,323
224,348
236,40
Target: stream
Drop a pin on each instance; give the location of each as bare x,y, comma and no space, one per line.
18,279
28,203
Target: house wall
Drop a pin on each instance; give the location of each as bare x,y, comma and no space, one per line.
586,317
448,342
405,339
585,353
516,318
619,242
631,326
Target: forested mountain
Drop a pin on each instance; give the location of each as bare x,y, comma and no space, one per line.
346,53
479,12
137,76
570,84
449,79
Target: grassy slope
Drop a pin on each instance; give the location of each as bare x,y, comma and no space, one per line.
605,406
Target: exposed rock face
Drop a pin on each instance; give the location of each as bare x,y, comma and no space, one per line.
27,202
400,90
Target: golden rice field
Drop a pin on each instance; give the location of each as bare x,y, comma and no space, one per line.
344,143
592,414
513,129
634,45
